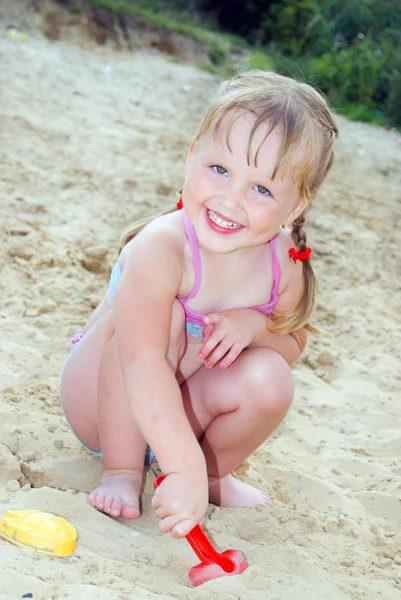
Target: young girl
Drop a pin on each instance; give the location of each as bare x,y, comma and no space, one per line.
189,350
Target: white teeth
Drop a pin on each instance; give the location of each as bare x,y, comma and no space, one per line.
221,222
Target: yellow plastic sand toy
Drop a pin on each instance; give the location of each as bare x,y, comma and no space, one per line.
39,531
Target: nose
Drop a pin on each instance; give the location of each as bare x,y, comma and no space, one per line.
233,199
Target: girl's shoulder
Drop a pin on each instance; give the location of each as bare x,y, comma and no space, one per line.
166,232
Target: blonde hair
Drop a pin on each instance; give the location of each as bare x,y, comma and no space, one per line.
306,123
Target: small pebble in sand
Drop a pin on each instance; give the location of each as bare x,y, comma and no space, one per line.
326,358
96,252
323,375
93,265
12,486
21,251
346,563
47,306
31,312
28,456
15,399
9,390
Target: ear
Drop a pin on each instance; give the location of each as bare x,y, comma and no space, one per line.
189,160
296,210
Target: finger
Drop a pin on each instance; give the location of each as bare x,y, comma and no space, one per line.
162,512
218,353
213,319
211,343
169,522
183,528
156,500
231,356
207,332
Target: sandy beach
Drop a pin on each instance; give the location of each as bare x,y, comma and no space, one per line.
90,138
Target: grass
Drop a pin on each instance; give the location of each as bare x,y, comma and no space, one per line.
359,112
208,68
228,54
158,14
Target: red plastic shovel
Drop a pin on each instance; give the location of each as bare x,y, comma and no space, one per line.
213,564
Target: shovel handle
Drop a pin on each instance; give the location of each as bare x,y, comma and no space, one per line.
201,545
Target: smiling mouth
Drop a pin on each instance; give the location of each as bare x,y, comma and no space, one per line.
222,222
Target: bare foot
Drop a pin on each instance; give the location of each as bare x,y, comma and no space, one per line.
118,493
229,491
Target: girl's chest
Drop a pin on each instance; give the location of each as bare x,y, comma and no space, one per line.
233,285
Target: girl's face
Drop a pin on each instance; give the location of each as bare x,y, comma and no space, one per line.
234,205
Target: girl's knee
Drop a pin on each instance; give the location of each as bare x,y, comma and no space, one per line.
270,382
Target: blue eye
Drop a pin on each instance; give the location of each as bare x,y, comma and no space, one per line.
262,190
220,170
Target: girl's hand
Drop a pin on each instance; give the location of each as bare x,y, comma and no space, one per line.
181,501
227,333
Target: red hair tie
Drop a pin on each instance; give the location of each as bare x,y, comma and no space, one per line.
297,255
179,202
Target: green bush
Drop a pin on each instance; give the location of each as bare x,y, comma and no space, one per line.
350,50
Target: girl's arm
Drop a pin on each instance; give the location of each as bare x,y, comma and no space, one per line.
143,308
290,345
227,333
143,303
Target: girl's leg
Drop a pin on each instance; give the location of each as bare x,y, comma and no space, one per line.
94,401
122,444
232,413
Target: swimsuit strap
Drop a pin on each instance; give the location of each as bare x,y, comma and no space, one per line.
267,308
197,318
276,270
189,230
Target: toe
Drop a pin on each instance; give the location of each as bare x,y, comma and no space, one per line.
115,506
92,499
99,502
131,511
266,500
108,504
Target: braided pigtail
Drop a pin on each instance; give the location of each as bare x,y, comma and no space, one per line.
301,314
305,307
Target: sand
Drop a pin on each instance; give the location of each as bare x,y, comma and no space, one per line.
90,137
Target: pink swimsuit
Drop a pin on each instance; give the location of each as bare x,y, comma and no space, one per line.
194,324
